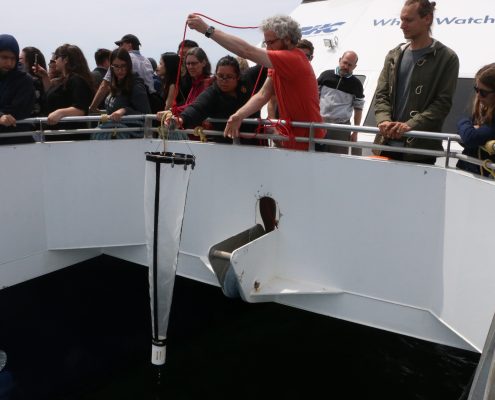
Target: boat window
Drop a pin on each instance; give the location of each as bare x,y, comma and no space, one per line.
461,106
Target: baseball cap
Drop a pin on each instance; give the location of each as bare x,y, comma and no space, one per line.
129,38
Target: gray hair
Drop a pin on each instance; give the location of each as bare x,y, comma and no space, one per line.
283,26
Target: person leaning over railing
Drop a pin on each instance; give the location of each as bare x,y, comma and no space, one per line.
127,96
16,91
478,132
291,77
72,95
220,100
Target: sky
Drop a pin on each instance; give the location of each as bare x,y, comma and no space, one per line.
159,25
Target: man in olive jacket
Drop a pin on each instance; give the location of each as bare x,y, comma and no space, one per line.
416,85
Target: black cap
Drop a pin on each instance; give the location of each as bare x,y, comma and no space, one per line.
129,38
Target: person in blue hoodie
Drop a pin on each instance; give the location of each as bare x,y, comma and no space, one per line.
17,95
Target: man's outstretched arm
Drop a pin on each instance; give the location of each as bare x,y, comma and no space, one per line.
232,43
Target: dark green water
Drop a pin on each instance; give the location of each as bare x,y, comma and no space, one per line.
84,333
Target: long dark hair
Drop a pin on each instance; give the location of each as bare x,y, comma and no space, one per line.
29,58
482,114
76,63
171,62
125,85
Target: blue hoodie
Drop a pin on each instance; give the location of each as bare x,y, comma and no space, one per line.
17,95
8,42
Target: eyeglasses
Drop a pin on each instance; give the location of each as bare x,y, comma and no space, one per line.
192,63
483,92
270,42
119,66
225,77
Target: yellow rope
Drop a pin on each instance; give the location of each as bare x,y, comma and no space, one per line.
484,165
487,169
199,131
163,129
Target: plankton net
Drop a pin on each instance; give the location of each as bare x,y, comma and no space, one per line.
166,184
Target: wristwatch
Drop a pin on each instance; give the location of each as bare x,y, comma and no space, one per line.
209,31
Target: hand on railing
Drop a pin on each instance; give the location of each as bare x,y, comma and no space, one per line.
7,120
54,117
232,129
393,130
164,115
116,116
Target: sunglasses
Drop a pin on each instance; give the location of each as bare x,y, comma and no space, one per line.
482,92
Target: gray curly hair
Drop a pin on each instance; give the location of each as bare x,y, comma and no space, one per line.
283,26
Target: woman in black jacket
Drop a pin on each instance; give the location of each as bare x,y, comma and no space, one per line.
72,95
223,98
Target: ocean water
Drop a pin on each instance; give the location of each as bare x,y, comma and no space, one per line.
84,333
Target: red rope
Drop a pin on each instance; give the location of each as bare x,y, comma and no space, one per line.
278,126
282,129
230,26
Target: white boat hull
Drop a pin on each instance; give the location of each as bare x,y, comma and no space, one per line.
396,246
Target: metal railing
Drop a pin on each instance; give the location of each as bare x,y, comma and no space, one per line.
149,131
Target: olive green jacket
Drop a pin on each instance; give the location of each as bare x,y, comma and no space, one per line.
433,83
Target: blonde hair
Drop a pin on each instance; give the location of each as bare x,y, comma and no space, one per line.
243,64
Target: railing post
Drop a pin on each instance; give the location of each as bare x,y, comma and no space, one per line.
311,143
447,158
42,134
148,132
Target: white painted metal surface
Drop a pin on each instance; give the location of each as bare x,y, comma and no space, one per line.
397,246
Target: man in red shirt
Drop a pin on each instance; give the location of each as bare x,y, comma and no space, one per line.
290,76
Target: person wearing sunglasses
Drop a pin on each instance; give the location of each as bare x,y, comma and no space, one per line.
225,96
479,129
73,94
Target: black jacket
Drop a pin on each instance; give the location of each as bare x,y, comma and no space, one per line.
17,99
213,103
